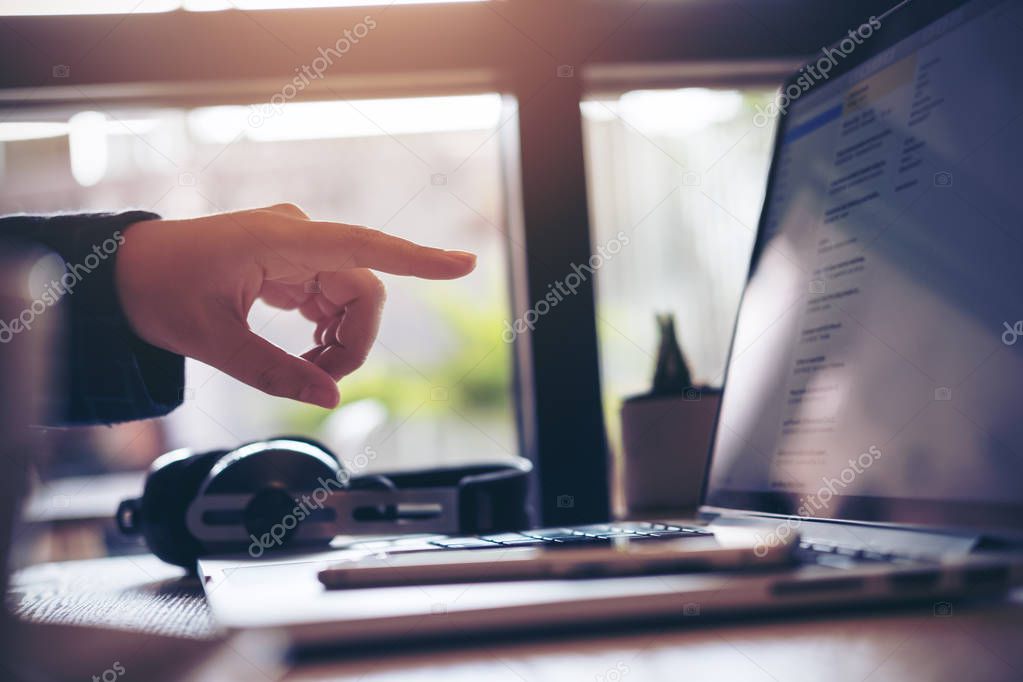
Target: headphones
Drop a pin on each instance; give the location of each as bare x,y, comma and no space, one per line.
294,492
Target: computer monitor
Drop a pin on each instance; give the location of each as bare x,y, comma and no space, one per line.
876,372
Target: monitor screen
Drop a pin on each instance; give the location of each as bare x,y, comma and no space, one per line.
876,371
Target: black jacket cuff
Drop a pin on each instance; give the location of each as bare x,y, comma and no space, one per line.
111,374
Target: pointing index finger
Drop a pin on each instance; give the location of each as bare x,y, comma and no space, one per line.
325,246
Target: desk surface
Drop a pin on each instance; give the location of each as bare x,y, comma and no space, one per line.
974,643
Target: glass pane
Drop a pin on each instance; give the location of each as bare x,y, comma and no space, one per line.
679,173
436,387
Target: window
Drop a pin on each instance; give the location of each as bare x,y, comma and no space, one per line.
681,174
511,48
436,388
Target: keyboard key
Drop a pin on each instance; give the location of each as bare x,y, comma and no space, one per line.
548,532
512,539
682,529
525,542
464,543
669,534
637,526
608,536
504,537
574,540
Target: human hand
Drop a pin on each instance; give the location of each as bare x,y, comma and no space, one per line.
187,286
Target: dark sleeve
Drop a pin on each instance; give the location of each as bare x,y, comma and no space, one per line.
110,374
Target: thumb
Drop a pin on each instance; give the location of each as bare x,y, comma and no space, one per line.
252,359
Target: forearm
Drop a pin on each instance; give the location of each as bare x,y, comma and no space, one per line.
110,374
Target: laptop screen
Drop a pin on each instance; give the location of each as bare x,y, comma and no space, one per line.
876,371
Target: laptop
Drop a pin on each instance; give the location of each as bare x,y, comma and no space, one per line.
872,397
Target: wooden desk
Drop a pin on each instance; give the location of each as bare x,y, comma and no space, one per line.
978,642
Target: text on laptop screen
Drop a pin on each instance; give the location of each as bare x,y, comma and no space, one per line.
877,367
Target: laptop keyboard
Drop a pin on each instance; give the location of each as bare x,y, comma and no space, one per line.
599,533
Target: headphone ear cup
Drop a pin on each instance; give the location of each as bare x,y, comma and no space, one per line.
169,491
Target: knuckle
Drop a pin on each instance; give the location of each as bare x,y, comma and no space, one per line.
360,359
376,287
355,240
289,207
274,380
262,218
